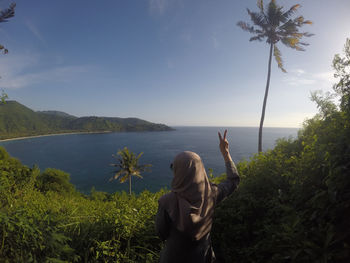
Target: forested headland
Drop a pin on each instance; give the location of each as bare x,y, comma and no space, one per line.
17,120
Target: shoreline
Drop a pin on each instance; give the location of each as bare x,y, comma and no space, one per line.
52,134
68,133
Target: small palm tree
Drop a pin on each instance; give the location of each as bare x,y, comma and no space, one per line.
128,166
273,24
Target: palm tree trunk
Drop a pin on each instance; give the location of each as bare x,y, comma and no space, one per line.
264,103
129,184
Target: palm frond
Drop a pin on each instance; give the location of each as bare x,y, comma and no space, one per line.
296,35
258,19
124,178
291,11
7,13
137,175
303,44
293,42
272,13
246,27
288,27
278,57
3,49
259,37
260,4
116,165
307,34
300,20
139,156
116,175
4,16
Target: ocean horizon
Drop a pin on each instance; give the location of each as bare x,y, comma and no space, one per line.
87,156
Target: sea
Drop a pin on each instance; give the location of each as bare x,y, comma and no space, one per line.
88,157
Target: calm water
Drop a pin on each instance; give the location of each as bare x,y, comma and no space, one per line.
87,157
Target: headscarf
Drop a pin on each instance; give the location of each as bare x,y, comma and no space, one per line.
190,205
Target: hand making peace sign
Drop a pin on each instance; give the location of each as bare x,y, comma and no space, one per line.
224,147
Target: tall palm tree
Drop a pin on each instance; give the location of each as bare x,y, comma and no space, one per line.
273,24
128,166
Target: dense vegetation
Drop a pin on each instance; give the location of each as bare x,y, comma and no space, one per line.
44,219
293,204
16,120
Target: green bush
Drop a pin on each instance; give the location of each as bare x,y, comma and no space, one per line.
54,180
293,201
43,219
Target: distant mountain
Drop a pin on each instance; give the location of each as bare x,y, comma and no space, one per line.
17,120
57,113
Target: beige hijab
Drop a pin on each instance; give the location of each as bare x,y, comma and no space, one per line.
191,203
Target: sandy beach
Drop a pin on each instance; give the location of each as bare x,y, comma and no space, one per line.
51,134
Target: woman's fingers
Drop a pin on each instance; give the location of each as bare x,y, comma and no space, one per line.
220,137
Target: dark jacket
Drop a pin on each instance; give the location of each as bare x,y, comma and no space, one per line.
180,247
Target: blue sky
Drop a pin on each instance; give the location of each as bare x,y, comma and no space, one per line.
168,61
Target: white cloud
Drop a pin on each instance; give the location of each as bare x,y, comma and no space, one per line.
299,77
11,63
17,72
297,81
299,72
158,6
34,29
59,74
216,43
325,76
292,119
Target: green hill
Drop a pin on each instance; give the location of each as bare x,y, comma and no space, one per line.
57,113
17,120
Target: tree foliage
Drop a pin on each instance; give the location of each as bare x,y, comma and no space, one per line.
341,66
54,180
44,219
3,97
5,15
273,24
